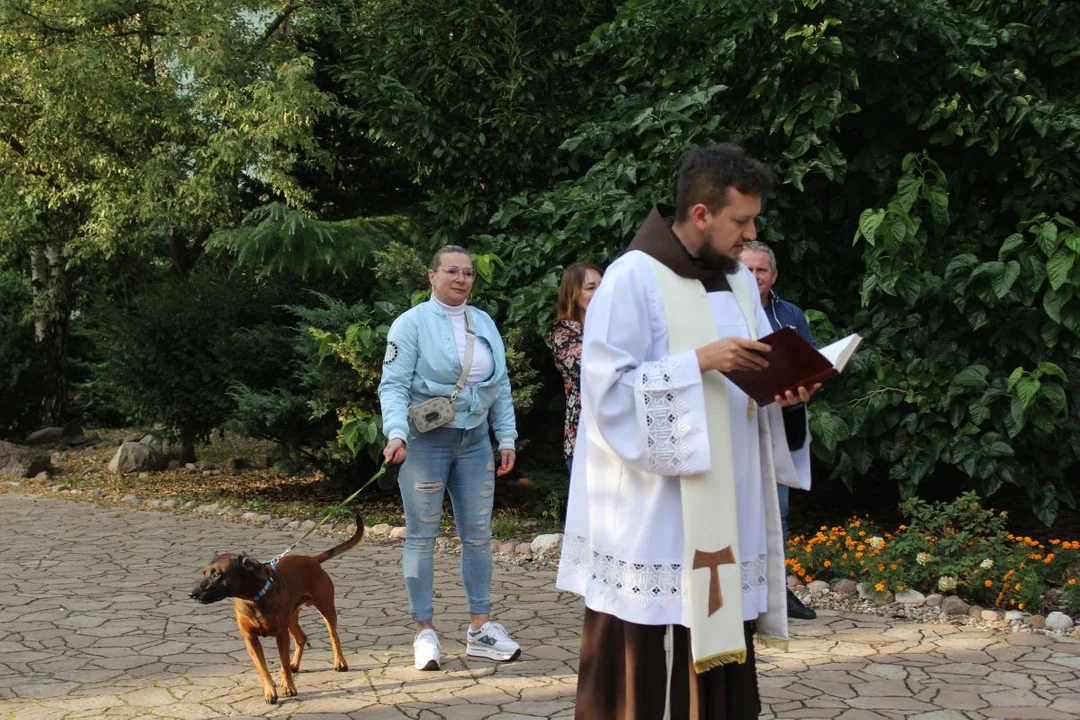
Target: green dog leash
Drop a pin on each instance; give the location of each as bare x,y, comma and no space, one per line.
326,516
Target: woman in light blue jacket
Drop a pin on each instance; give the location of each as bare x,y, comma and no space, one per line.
426,354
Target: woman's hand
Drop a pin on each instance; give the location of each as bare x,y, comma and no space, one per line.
508,459
394,452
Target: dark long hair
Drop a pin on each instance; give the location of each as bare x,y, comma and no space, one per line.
573,280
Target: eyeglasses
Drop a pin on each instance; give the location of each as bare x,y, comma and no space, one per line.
458,272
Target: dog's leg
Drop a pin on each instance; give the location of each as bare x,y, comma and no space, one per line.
288,689
325,606
299,638
255,650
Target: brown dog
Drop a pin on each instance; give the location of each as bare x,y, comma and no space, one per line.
267,598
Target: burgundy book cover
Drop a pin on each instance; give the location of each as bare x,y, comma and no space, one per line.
792,362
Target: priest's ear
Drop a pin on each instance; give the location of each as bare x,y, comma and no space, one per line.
700,215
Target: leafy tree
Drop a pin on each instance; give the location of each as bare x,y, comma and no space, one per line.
173,355
943,136
122,123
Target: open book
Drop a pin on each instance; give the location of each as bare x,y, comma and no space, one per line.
793,362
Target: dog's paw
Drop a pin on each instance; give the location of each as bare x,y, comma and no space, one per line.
288,690
270,696
295,668
341,667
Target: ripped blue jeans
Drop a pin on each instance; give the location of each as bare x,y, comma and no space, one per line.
461,461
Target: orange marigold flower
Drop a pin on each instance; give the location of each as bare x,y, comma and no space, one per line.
858,554
827,563
902,527
881,566
880,586
988,583
809,578
1072,581
1016,586
1021,606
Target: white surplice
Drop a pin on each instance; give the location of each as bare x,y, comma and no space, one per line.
623,545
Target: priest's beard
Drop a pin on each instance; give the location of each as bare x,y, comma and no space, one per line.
717,261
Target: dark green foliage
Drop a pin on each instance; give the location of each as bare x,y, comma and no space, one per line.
21,386
946,134
174,353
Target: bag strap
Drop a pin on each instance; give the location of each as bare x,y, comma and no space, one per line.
470,339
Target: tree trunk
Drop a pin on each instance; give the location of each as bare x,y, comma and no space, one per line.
185,254
187,447
52,316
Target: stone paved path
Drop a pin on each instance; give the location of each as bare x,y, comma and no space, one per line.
95,622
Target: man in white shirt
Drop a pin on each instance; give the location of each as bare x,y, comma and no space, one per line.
673,527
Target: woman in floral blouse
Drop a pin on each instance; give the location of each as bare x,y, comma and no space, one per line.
579,282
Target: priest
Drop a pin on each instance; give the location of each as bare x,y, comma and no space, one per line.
673,525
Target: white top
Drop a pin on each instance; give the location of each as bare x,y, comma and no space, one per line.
623,547
483,363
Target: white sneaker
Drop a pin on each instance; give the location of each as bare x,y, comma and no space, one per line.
426,649
491,641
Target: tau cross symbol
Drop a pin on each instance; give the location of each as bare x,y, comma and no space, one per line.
713,561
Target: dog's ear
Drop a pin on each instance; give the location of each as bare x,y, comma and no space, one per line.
250,563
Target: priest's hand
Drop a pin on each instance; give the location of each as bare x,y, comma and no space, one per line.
803,395
732,353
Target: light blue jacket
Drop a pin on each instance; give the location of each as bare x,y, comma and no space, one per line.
422,362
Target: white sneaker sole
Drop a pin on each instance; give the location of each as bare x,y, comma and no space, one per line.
431,665
481,651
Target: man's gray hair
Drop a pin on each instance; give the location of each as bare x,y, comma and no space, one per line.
759,246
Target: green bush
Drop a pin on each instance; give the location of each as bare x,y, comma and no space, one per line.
959,547
173,354
323,412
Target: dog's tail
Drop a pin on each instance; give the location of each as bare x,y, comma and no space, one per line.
347,545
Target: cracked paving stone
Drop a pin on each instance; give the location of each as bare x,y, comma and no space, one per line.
100,627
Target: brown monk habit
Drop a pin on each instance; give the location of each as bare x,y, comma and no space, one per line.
656,239
623,671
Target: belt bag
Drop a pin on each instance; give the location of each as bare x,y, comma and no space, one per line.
438,411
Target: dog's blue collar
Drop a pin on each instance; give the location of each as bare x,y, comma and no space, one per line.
269,581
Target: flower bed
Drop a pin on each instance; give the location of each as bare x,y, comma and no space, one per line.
958,547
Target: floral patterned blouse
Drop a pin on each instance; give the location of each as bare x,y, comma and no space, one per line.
565,343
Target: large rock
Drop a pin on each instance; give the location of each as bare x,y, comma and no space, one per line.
883,597
546,544
818,588
77,441
953,605
137,457
1058,622
45,436
846,587
20,462
911,597
164,447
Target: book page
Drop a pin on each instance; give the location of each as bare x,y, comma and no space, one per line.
841,351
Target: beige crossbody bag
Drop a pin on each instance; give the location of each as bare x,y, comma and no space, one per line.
438,411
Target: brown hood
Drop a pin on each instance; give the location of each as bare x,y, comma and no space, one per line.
656,239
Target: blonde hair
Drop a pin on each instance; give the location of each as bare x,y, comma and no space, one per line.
573,280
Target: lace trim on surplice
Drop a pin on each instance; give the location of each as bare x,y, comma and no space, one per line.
638,583
665,419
